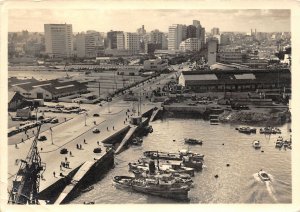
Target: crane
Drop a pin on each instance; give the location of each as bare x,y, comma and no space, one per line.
25,187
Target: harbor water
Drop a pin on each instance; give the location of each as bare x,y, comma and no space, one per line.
237,182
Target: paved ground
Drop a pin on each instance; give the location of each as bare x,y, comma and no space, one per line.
75,131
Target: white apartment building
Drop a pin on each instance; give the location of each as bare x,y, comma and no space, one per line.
87,44
58,40
177,33
131,41
120,40
190,44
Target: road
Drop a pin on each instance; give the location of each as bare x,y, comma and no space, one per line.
75,131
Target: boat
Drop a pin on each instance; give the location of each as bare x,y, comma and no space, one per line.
270,130
193,141
164,167
173,156
246,130
263,175
279,144
192,163
157,186
88,189
256,144
137,141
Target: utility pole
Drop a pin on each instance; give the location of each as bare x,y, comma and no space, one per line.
85,114
99,88
51,135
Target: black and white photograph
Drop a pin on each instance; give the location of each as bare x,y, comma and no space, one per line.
149,106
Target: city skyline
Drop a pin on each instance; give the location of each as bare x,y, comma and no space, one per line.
225,20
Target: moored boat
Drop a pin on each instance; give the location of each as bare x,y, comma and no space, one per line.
246,130
193,141
158,186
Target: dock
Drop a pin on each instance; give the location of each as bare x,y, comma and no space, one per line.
83,170
55,184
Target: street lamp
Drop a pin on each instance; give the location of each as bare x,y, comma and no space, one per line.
51,135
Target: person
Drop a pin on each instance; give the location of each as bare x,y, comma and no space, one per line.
66,159
32,131
65,119
41,149
53,174
98,143
71,154
77,146
94,122
60,167
16,145
84,141
113,127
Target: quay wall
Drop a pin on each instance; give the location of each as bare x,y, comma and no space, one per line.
52,192
95,173
116,137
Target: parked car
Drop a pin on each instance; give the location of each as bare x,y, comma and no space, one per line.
96,130
64,151
42,138
96,115
54,121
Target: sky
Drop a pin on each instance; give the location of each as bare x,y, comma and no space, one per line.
274,20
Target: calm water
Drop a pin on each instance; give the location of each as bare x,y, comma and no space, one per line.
237,183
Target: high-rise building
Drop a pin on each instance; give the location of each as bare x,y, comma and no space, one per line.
177,33
196,23
156,37
215,31
212,46
131,41
112,39
191,31
190,44
120,40
58,40
141,31
88,44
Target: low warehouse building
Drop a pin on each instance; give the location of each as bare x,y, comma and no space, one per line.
15,101
49,90
235,80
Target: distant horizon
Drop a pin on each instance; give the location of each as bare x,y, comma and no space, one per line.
268,21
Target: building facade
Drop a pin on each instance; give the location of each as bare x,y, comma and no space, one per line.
212,46
58,40
131,41
155,65
235,80
190,44
177,33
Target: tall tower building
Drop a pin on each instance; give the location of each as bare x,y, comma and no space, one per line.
212,52
215,31
191,31
131,41
58,40
196,23
177,33
112,39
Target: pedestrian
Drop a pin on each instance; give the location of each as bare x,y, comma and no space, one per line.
60,167
41,149
77,147
53,174
113,127
80,146
66,159
16,145
84,141
98,143
94,122
32,131
71,154
27,136
23,139
107,128
65,119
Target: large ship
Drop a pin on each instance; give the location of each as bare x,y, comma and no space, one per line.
159,186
